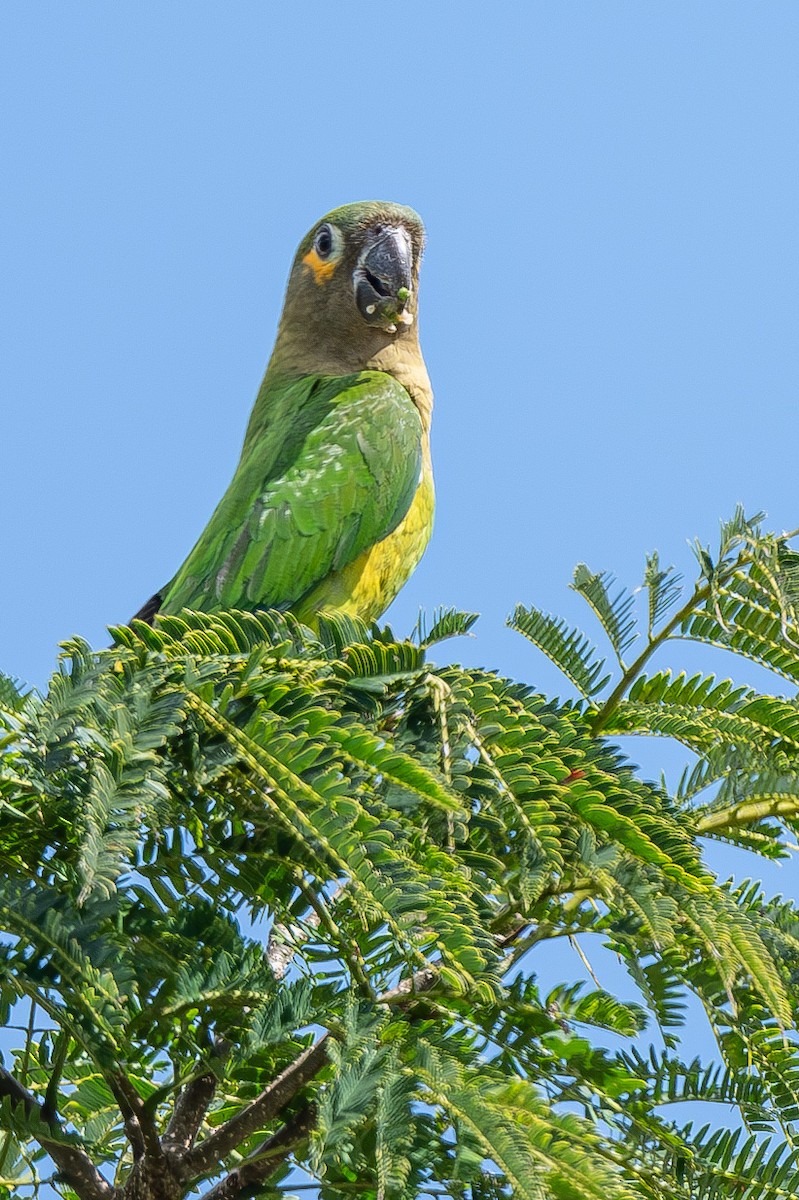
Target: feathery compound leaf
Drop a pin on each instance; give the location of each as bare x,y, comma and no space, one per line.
616,613
360,1062
444,623
26,1125
732,939
399,845
395,1126
12,694
745,618
725,1163
664,990
50,941
343,840
597,1008
517,1130
739,530
375,757
748,606
788,574
664,586
717,764
744,803
568,648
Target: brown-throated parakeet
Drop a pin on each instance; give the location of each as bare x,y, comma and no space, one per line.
331,504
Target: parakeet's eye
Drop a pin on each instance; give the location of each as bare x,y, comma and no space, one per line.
323,242
325,252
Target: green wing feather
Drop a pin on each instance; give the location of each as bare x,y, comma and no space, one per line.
329,467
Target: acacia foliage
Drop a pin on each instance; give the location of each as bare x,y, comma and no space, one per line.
275,900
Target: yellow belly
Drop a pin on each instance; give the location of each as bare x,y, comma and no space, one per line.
366,587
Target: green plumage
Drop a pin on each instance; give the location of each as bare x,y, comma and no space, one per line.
318,483
331,504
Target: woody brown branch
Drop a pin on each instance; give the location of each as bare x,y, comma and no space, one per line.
267,1157
165,1167
76,1167
281,1091
273,1099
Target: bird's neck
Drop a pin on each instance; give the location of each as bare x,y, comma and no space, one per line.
408,368
400,357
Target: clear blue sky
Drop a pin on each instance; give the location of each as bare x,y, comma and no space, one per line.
610,293
609,301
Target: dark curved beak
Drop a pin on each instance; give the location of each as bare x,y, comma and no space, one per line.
383,278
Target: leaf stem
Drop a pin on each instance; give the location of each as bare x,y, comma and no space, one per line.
604,713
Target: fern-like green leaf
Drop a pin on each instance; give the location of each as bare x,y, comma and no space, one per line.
443,624
664,586
616,613
568,648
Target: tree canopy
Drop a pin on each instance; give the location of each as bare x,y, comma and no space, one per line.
274,902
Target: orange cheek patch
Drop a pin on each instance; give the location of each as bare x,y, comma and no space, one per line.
321,270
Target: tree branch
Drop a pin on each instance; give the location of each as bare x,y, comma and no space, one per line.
279,949
420,981
606,708
267,1157
77,1168
201,1159
747,812
192,1104
272,1100
187,1116
139,1126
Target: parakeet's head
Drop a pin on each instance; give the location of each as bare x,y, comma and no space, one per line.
353,285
